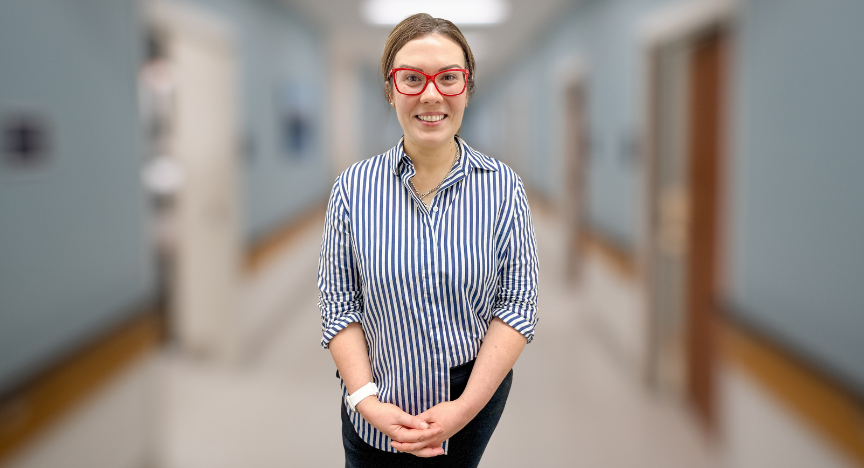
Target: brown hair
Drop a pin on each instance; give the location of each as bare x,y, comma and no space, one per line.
413,27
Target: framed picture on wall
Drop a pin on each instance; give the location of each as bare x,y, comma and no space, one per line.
296,119
26,143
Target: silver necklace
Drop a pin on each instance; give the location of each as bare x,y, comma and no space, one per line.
421,196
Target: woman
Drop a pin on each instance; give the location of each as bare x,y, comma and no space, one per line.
428,270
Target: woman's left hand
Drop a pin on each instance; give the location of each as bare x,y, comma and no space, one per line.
451,416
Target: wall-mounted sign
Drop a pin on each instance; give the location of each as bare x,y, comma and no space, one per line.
296,102
26,141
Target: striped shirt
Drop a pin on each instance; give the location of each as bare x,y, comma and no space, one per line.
425,282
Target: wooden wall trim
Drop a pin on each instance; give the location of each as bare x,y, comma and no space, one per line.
269,246
590,241
540,204
623,261
827,407
42,401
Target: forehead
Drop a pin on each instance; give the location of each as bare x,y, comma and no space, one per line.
430,52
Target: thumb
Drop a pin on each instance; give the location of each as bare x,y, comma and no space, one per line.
425,416
412,421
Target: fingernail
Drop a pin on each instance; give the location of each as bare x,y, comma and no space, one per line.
425,426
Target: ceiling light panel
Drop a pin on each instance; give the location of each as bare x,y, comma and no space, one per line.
460,12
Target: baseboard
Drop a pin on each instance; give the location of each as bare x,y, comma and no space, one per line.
826,406
46,397
269,245
621,259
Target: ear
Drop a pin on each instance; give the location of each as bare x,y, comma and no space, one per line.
389,92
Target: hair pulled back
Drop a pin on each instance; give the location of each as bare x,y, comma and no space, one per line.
413,27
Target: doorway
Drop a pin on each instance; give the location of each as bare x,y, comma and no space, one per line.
687,78
204,240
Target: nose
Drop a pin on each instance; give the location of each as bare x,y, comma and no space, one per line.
430,94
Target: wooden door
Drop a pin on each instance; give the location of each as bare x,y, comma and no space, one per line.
684,178
707,73
575,203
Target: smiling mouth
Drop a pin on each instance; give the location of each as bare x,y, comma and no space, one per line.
431,118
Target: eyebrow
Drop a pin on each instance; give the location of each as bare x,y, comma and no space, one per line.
448,67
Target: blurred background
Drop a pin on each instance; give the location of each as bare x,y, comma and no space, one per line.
694,169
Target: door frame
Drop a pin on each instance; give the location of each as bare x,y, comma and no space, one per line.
679,24
572,75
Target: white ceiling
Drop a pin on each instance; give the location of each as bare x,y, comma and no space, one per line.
493,46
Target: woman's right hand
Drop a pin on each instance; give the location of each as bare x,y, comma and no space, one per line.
395,423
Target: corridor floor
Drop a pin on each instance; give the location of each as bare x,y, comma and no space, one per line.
572,404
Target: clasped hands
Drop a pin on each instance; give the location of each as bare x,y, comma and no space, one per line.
422,435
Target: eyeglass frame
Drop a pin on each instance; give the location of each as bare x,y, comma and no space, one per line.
430,78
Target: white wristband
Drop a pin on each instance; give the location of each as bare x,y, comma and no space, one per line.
354,399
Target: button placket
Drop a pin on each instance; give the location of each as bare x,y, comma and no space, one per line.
406,177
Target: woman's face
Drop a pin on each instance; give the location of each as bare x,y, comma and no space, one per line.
429,54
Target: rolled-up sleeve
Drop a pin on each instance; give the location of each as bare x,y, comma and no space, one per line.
340,298
516,298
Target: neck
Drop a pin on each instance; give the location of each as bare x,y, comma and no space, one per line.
431,159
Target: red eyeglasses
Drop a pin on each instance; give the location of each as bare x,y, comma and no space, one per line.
412,82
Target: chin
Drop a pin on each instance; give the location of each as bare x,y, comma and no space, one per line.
433,136
439,138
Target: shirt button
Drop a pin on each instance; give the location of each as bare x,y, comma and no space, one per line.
435,209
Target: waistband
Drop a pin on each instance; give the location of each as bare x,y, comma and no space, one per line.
462,371
459,372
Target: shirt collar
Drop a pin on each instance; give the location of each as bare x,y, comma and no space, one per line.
470,158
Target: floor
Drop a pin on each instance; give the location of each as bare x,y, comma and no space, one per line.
572,404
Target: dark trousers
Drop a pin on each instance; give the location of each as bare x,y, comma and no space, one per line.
465,449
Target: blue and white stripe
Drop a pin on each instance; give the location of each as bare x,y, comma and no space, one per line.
425,282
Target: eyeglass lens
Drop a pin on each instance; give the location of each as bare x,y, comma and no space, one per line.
411,82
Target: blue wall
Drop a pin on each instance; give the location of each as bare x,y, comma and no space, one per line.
798,230
380,129
72,244
74,249
283,63
601,36
796,261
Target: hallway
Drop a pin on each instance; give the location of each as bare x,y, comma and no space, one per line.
163,166
572,400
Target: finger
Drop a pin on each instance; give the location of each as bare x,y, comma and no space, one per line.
414,422
408,447
427,452
407,436
419,449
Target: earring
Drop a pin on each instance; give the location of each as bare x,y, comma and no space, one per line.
392,105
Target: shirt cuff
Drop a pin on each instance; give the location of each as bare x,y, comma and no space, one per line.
518,322
335,326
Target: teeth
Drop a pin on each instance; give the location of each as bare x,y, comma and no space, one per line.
430,118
